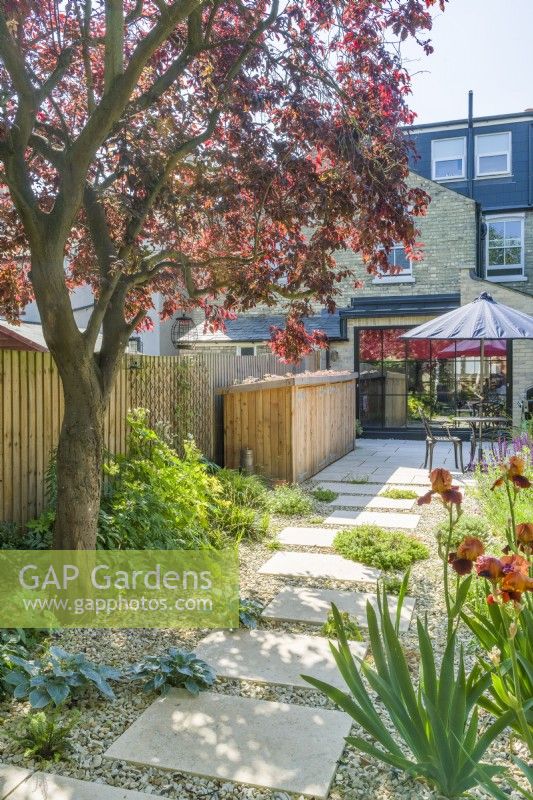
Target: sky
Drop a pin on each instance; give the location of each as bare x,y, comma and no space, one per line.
483,45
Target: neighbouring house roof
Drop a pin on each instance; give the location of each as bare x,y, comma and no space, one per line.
22,337
256,328
401,306
26,336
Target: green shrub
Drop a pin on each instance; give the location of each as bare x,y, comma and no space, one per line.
351,627
243,490
237,522
399,494
57,677
10,536
387,550
155,499
324,495
36,536
290,501
175,667
435,724
46,737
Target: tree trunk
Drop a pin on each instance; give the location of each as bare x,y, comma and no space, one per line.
79,468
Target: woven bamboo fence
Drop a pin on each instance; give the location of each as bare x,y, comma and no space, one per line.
178,391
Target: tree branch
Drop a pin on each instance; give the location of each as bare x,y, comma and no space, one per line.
85,32
27,99
106,256
114,42
61,68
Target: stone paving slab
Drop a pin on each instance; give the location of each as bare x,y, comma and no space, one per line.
273,657
385,519
289,748
312,606
307,537
354,501
341,487
11,777
43,786
409,475
318,565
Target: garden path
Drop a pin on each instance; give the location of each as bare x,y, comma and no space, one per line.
280,746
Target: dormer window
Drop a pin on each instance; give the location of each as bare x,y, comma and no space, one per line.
448,159
493,154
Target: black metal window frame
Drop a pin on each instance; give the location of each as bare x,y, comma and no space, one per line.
357,362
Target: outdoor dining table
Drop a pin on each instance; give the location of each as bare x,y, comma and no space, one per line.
481,420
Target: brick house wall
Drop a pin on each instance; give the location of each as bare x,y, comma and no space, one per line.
448,236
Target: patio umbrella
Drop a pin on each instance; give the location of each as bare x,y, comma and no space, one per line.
482,319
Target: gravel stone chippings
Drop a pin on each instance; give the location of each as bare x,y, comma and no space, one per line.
101,723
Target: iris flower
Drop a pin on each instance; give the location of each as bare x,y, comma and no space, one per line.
441,484
513,472
470,549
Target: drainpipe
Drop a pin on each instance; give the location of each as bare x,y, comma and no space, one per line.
530,166
470,145
480,238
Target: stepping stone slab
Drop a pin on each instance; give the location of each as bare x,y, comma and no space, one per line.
42,786
273,657
385,519
288,748
310,537
11,777
319,565
409,475
354,501
312,606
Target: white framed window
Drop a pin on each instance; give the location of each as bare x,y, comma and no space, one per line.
448,158
246,350
402,265
493,154
504,248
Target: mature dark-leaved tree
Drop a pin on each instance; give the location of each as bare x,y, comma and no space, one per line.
217,152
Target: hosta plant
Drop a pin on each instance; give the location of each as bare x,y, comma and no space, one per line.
435,725
57,677
249,612
175,667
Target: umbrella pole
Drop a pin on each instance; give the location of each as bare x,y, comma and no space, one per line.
481,381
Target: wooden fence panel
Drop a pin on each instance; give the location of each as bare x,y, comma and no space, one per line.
179,391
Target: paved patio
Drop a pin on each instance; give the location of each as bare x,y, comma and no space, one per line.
398,461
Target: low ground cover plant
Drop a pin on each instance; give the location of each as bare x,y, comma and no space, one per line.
290,501
324,495
175,667
399,494
350,624
46,736
372,545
